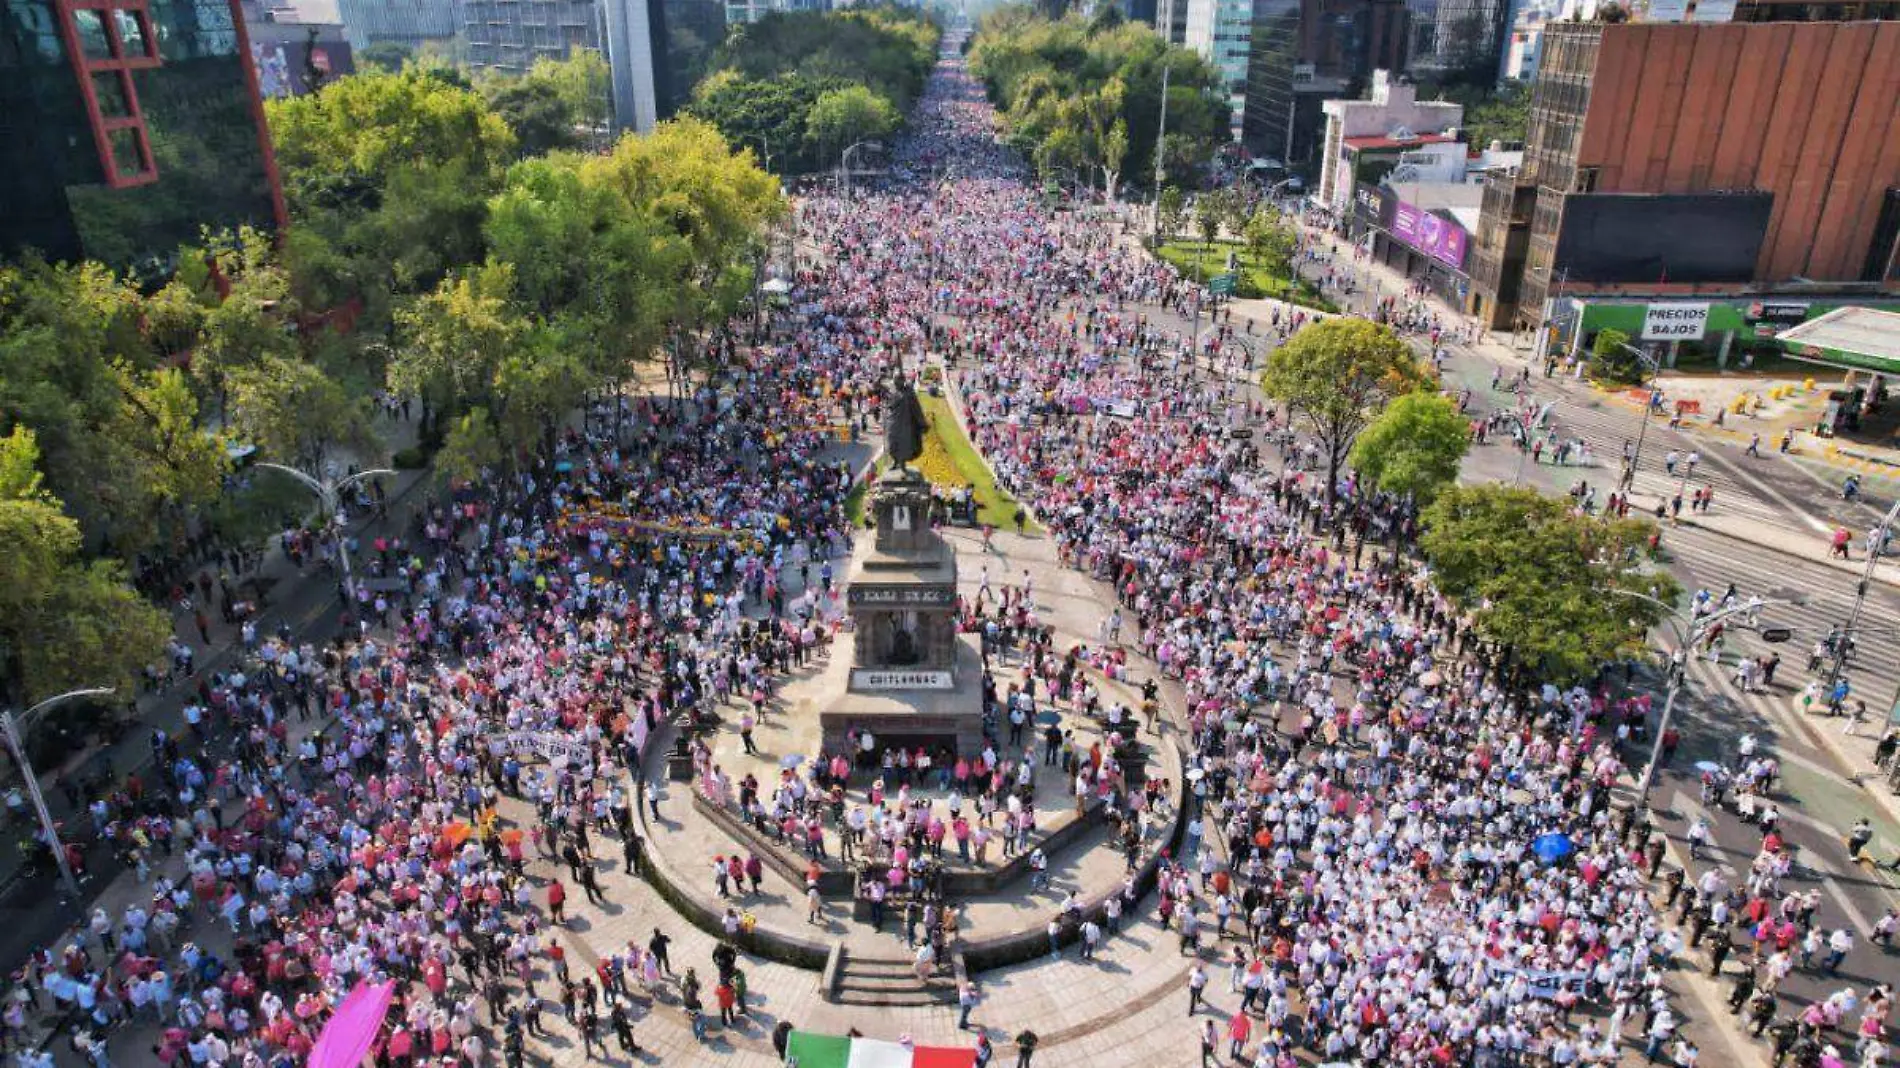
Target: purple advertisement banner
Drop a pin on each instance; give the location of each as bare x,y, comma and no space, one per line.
1439,238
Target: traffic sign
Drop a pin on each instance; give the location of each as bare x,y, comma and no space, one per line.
1222,285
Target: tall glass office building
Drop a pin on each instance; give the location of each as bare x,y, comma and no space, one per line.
128,126
1268,119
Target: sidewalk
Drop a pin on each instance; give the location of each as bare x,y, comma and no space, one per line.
1812,548
299,599
1854,750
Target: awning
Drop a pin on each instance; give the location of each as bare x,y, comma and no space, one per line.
1860,339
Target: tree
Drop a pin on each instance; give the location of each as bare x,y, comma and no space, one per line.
455,339
386,56
64,622
124,444
1172,209
541,120
1087,77
1336,374
1537,577
1210,211
470,447
1413,449
1492,113
841,117
295,414
1114,152
581,81
1271,241
1613,360
159,435
762,115
386,176
888,50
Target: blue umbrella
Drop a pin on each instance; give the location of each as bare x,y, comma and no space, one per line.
1551,848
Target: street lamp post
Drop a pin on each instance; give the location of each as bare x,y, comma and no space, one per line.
844,162
764,146
1275,188
10,724
328,492
1649,403
1161,137
1880,534
1687,635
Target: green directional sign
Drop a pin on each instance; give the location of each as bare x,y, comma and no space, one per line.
1222,285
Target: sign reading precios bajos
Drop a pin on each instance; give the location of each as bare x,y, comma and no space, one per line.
1675,322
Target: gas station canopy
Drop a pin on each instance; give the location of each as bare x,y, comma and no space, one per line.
1855,339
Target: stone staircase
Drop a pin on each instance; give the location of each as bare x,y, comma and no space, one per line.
890,982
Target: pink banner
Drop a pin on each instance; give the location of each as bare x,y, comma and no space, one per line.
346,1039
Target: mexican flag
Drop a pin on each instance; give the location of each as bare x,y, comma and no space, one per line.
806,1050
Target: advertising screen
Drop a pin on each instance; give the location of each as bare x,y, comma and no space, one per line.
1691,237
1434,235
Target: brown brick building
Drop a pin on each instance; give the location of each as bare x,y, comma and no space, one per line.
1671,159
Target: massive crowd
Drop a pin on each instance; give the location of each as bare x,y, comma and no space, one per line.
1420,866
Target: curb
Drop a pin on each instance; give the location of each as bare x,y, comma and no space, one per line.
1889,576
1830,740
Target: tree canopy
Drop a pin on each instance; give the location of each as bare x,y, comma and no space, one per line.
1494,111
426,255
559,103
1539,578
1336,374
800,86
1087,94
888,50
1414,447
386,175
65,622
594,262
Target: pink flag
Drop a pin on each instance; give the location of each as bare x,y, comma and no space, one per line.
346,1039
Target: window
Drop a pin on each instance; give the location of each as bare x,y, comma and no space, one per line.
114,92
106,40
94,41
128,151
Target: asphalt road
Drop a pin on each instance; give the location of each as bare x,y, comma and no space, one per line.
1818,796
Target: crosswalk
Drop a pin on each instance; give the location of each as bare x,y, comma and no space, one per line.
1713,562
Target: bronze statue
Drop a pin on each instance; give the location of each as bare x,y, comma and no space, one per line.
903,424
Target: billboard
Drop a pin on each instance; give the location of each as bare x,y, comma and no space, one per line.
1435,236
283,67
1659,238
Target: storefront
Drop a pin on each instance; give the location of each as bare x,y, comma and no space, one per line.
1725,332
1424,244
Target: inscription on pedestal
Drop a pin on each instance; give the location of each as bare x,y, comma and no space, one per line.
887,679
899,596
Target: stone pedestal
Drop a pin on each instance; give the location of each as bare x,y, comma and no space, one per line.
903,672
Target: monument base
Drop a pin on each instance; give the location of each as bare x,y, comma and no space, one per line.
935,717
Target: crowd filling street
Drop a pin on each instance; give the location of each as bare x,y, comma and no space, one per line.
1395,852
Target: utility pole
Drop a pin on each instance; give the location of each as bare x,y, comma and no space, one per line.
1161,138
1848,633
